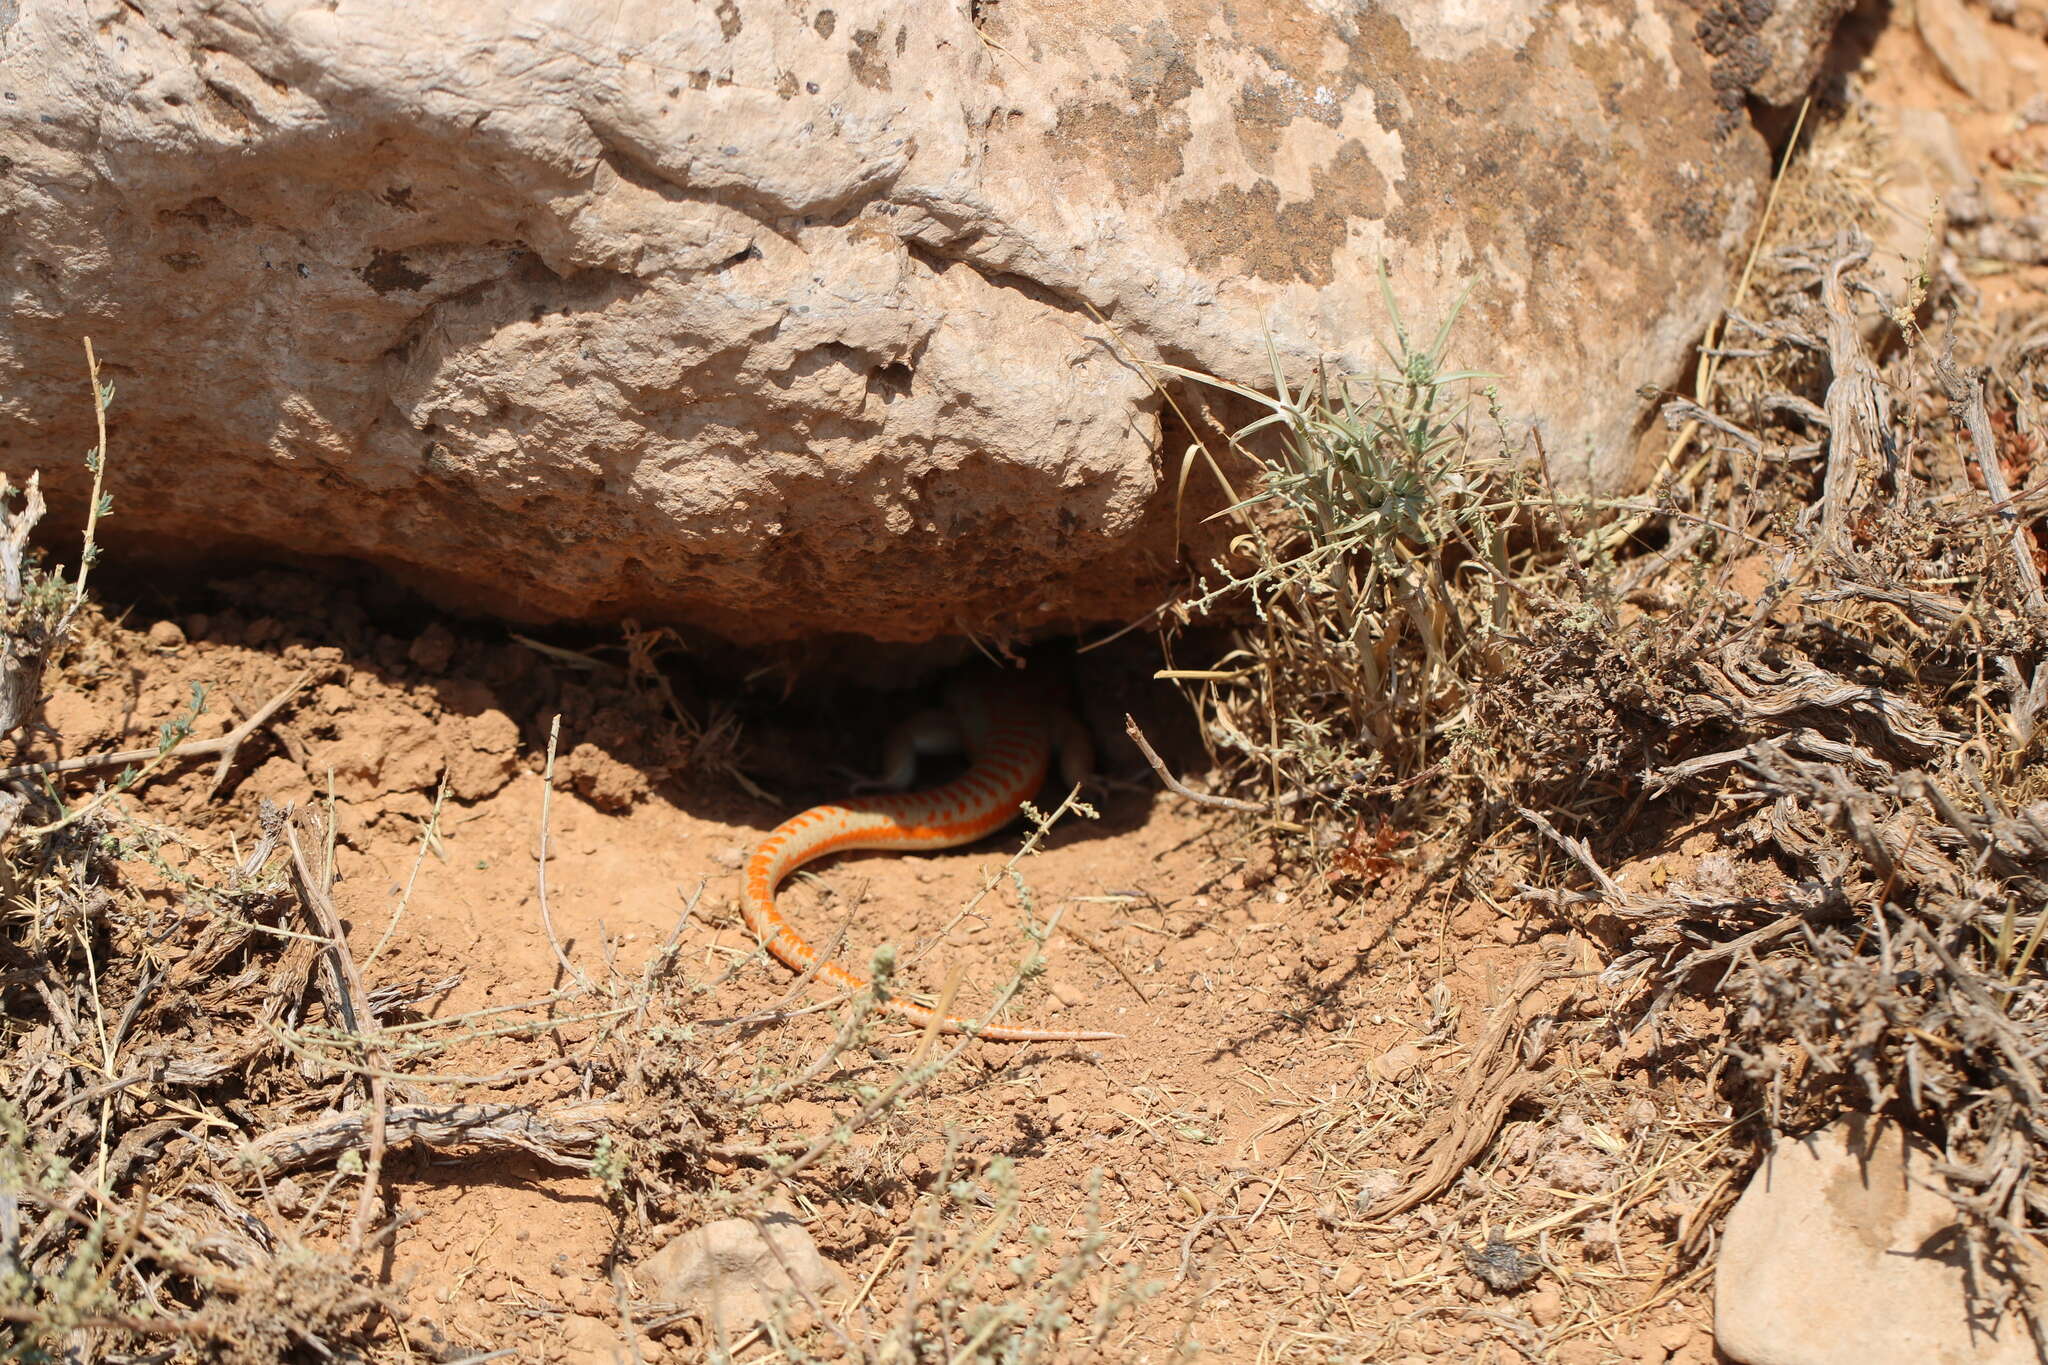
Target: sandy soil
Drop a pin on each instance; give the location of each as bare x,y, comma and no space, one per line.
1284,1047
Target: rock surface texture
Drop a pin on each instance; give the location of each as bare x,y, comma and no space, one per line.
782,320
1841,1253
735,1271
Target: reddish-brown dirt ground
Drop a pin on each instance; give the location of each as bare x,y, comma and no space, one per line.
1283,1045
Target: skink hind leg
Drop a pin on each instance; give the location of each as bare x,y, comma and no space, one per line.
1076,749
928,734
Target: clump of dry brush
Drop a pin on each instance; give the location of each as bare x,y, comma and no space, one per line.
119,1213
1821,639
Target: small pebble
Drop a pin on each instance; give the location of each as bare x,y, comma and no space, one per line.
1396,1063
166,635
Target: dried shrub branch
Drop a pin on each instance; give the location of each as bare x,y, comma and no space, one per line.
1831,653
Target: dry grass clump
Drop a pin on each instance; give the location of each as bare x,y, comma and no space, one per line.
136,1026
1820,642
146,1038
1374,555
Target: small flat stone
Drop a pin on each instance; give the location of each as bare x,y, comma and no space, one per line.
737,1268
1839,1253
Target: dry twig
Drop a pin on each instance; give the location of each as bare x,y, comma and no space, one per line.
351,1006
226,746
1965,389
1494,1081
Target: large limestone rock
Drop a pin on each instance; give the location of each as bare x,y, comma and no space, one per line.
1840,1253
782,319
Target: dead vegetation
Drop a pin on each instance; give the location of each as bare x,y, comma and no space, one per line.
1816,654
